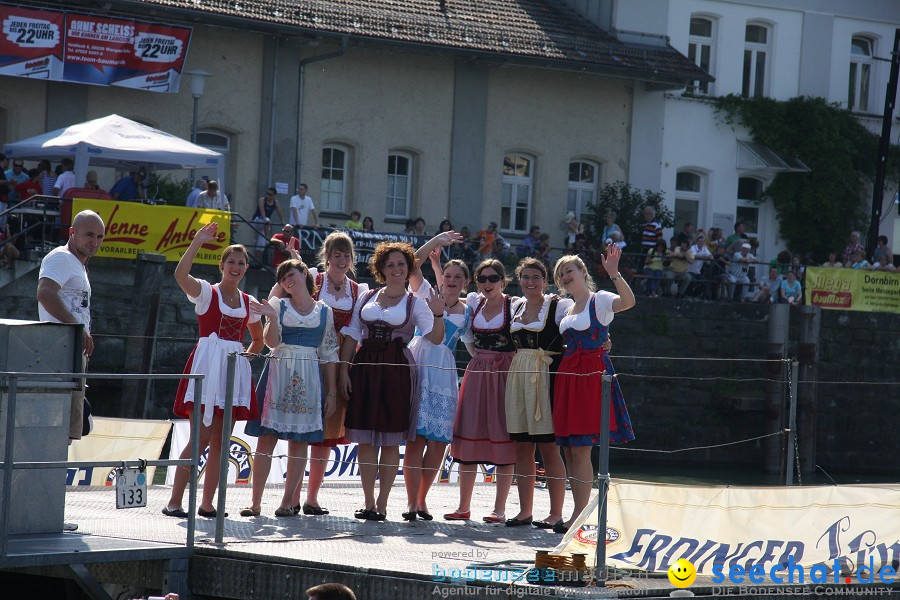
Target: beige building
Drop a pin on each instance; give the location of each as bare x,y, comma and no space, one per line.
500,110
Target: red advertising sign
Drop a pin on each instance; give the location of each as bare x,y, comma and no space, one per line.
31,42
92,49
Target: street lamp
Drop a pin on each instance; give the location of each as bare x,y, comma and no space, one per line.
198,80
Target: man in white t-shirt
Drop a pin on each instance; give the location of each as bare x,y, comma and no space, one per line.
64,292
302,207
66,179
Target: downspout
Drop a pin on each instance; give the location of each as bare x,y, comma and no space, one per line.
300,79
272,103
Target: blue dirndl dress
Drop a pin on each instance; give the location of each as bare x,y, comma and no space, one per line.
290,387
577,398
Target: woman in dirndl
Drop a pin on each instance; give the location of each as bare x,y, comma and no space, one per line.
224,316
438,380
294,396
335,288
577,393
382,383
529,388
479,434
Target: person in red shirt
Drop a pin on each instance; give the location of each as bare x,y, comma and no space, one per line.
284,242
31,187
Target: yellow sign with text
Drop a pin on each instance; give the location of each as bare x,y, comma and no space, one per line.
853,289
132,228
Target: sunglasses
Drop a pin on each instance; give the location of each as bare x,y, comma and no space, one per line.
486,278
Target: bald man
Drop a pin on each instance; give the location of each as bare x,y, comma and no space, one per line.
64,292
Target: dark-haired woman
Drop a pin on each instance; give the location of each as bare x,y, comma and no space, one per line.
382,384
223,314
294,397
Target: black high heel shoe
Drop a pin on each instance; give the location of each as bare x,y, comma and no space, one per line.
409,516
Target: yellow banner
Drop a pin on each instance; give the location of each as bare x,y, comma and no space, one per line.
116,439
853,289
132,228
718,529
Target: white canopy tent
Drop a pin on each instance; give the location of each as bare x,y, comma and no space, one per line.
115,141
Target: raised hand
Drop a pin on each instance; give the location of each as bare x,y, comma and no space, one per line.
263,308
295,254
207,233
448,238
610,260
436,303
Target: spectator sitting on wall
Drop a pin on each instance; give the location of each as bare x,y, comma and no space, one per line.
66,179
651,232
355,220
284,242
702,257
737,235
610,227
199,188
852,248
782,262
738,274
445,225
769,287
790,292
858,260
419,227
528,247
573,228
796,267
654,268
616,238
129,187
485,239
883,258
680,258
832,262
368,224
302,208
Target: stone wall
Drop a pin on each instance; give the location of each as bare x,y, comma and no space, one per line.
678,396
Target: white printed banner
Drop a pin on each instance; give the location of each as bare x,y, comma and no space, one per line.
116,439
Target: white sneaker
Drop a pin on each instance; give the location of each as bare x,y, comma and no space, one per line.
70,526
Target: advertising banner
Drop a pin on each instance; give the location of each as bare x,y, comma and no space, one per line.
853,289
132,228
651,525
342,463
116,439
31,42
92,49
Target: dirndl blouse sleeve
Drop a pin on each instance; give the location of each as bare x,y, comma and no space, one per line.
562,307
422,316
603,301
354,329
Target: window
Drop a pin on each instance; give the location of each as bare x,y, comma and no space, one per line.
750,188
700,49
334,178
750,194
688,195
582,192
756,55
515,204
219,141
399,185
860,74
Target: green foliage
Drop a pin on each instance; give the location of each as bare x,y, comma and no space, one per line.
628,203
816,210
173,191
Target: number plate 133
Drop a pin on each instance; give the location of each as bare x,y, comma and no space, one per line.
131,488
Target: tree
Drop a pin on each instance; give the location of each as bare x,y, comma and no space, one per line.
628,203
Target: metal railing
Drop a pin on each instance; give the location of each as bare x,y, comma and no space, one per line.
13,382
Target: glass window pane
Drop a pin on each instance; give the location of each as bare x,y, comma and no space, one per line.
750,188
756,34
506,195
326,157
686,211
687,182
701,27
861,47
851,91
522,219
522,195
704,57
509,165
587,173
337,158
523,168
745,84
504,218
574,169
749,215
759,84
402,165
864,88
571,199
392,163
692,53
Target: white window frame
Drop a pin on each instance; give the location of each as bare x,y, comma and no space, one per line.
391,199
580,188
857,84
753,204
222,148
517,182
696,45
328,197
697,196
756,50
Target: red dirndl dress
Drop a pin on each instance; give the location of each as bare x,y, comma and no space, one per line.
219,336
577,398
334,425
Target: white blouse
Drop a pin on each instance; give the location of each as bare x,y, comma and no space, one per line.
561,308
202,302
425,292
343,303
395,315
473,299
328,348
582,321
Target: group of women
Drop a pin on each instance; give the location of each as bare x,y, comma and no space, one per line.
376,367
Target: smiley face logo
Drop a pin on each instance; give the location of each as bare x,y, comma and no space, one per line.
682,573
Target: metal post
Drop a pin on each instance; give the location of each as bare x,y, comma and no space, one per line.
792,427
194,133
226,444
195,460
808,354
603,476
775,408
8,462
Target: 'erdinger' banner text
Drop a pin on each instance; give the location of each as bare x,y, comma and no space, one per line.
116,439
132,228
650,526
853,289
